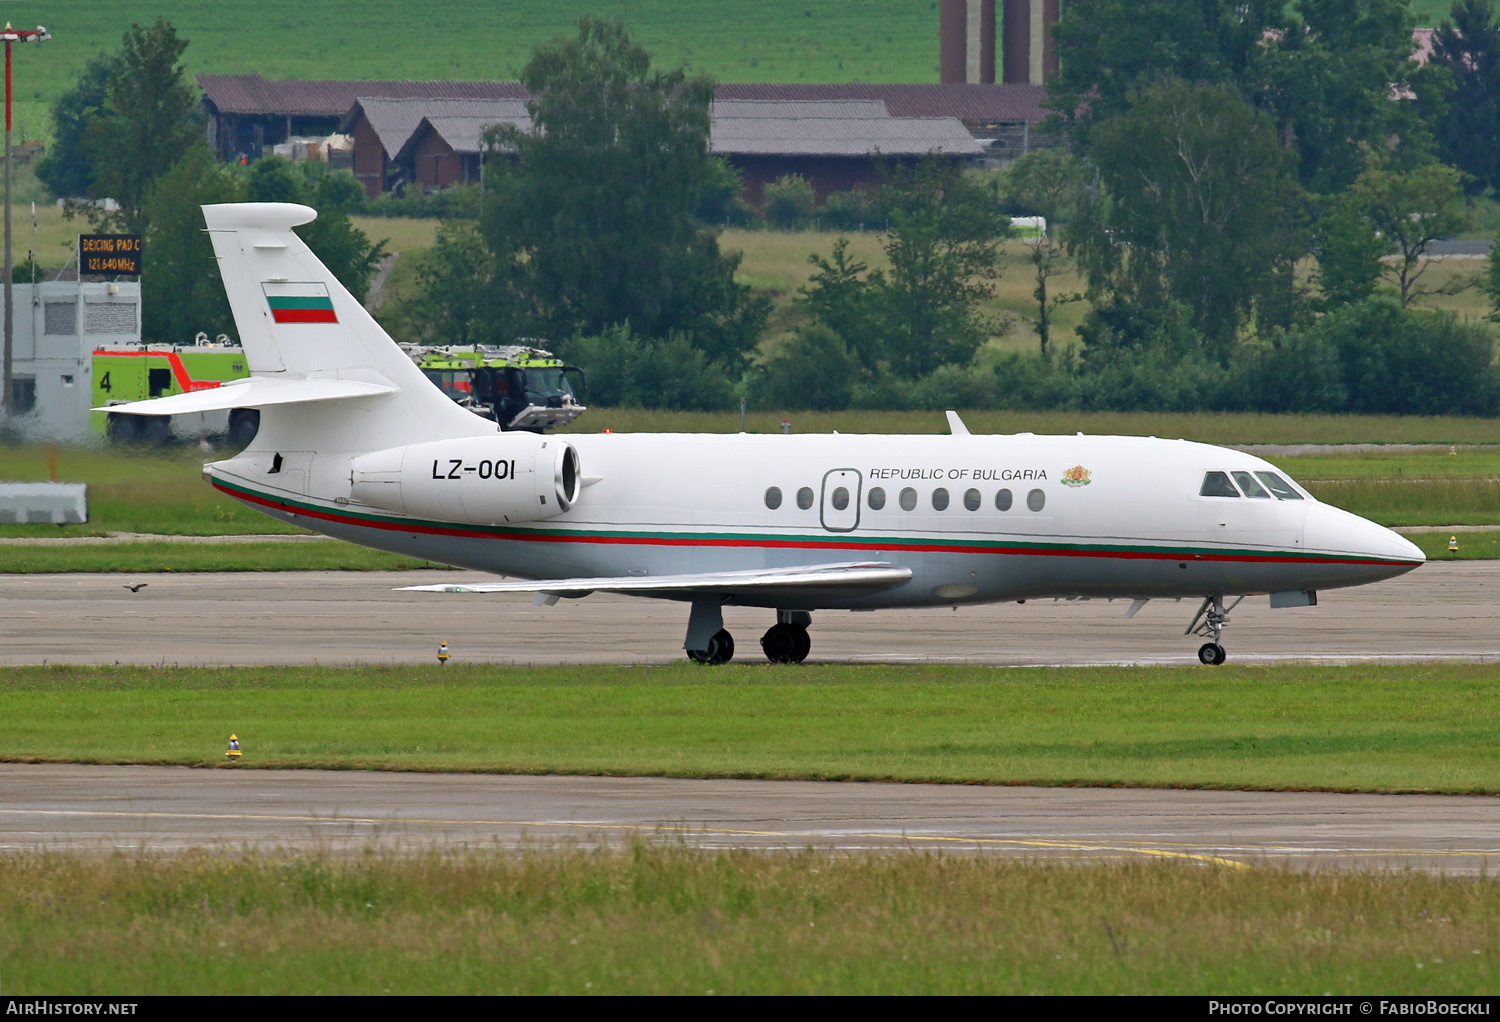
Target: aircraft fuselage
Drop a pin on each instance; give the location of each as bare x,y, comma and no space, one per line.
975,518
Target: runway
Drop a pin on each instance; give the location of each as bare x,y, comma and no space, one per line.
153,810
1441,611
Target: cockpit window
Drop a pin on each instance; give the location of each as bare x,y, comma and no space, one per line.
1217,484
1279,486
1249,487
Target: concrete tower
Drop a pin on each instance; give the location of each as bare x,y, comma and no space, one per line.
967,41
967,48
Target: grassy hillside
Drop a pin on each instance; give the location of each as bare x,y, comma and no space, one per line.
769,40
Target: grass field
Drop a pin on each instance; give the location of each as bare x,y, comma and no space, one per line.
1429,728
667,919
767,41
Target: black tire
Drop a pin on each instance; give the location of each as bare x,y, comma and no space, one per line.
1211,654
123,429
804,644
720,649
244,423
780,644
156,429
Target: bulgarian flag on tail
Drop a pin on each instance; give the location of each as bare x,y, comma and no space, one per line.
299,303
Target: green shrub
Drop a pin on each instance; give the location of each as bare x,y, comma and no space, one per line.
789,202
812,371
625,370
854,210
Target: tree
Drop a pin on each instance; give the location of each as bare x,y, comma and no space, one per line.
813,370
943,244
944,249
1349,250
148,123
181,290
1333,73
1468,125
454,301
790,201
342,247
842,297
1198,207
1110,48
591,219
66,170
1335,79
1047,183
1410,211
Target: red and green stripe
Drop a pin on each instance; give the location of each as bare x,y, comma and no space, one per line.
418,526
302,308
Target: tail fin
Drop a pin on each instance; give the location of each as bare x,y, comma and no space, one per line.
297,322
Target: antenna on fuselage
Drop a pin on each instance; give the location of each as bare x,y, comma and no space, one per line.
956,425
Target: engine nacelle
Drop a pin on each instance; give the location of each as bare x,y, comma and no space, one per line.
487,480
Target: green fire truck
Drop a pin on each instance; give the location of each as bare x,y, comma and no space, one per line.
515,386
136,372
518,386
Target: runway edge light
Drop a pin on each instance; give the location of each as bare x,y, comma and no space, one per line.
1453,544
233,752
443,653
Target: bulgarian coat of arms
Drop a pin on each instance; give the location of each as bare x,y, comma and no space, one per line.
1076,476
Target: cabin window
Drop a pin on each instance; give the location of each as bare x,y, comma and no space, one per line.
972,500
773,497
1003,500
1279,486
1036,500
940,499
805,497
840,498
1217,484
1249,487
908,499
877,498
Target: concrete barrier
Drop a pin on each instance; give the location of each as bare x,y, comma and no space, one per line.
58,503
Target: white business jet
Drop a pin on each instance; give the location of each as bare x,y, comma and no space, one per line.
356,443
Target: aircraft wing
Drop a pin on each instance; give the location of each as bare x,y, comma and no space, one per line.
253,392
854,575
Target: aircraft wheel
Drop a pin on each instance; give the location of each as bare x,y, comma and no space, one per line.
780,644
720,649
804,644
123,429
1211,653
156,429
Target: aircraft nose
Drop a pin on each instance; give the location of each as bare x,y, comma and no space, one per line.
1367,551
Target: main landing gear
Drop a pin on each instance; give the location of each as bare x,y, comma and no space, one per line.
708,642
1209,622
787,642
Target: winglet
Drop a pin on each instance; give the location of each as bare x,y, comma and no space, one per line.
956,425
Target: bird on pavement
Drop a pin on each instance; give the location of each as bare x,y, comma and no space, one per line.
137,587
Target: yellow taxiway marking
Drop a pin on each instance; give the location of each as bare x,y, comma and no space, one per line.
1125,847
790,835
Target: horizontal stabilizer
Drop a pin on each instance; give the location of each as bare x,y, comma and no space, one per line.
255,392
851,576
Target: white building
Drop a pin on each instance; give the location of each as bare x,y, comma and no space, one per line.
57,327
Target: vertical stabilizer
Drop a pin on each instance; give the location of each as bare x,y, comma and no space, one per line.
296,321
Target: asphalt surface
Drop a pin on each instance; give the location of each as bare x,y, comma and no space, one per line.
155,810
1441,611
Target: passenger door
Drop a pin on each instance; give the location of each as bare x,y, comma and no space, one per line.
841,493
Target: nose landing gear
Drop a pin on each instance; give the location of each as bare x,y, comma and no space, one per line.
1209,622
